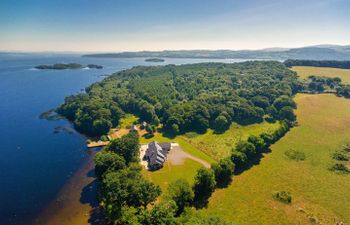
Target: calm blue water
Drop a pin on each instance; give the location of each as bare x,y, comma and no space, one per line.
35,162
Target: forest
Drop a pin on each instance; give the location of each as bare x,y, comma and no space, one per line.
318,63
185,98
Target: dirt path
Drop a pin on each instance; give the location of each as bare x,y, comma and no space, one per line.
177,156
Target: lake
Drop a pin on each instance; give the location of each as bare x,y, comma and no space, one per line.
35,161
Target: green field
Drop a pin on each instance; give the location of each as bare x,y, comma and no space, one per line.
305,71
170,173
128,121
220,145
319,195
208,146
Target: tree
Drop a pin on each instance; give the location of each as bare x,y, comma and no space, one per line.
268,139
283,101
261,101
106,160
149,129
101,126
181,193
246,147
258,142
129,216
287,113
239,158
126,146
125,187
223,171
221,123
204,184
143,193
162,214
175,129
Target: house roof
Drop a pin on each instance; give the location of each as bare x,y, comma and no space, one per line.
156,153
134,127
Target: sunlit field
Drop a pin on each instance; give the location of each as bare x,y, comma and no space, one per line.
305,71
319,196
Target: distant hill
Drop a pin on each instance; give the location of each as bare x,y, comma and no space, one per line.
318,52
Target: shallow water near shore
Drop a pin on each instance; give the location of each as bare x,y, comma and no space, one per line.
37,162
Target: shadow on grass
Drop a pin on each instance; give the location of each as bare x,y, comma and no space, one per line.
224,184
201,203
148,135
252,162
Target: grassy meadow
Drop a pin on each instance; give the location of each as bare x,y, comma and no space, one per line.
305,71
319,196
220,145
170,173
208,147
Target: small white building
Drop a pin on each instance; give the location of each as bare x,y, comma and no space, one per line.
134,128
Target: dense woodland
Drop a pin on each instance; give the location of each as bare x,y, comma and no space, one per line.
185,98
317,63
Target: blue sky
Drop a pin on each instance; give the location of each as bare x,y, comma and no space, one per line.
119,25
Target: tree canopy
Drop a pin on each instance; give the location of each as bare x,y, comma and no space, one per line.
185,98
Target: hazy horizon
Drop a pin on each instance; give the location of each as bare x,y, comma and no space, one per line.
116,26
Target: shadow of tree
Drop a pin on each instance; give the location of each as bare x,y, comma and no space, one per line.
201,202
89,196
252,162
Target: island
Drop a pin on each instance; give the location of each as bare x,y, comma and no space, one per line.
154,60
62,66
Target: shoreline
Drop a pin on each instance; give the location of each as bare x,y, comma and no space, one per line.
75,202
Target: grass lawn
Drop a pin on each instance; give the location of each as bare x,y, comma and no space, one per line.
186,146
220,145
170,173
305,71
319,196
128,121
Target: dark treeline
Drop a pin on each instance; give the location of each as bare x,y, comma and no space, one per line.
127,198
245,151
187,98
318,63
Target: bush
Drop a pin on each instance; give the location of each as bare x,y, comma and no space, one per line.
191,134
283,196
339,168
295,155
340,155
104,138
